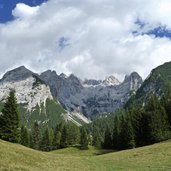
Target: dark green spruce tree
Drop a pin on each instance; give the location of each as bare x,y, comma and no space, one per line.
84,139
35,136
127,133
64,136
141,122
108,139
31,144
158,120
24,138
9,120
97,141
57,138
116,133
73,135
46,141
166,103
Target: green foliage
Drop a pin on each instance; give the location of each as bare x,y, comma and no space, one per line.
9,119
36,135
73,134
166,103
158,82
116,133
57,136
70,135
31,143
107,139
57,140
47,139
24,138
48,115
84,139
136,126
64,143
127,137
97,140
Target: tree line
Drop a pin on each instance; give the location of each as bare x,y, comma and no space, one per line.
64,135
127,128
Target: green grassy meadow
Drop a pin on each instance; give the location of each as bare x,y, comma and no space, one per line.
14,157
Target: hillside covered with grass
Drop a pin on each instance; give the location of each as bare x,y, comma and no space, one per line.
14,157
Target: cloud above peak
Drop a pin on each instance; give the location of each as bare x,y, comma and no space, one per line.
91,39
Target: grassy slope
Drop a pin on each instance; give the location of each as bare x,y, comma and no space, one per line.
18,158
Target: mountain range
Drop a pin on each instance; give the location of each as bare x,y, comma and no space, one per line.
91,97
50,98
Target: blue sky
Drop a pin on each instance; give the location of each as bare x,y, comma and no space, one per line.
159,31
6,7
92,39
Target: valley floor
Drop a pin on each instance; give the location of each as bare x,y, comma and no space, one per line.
15,157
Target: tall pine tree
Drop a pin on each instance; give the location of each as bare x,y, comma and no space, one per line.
64,135
35,137
158,120
46,141
127,133
116,133
9,119
108,139
57,138
24,139
84,139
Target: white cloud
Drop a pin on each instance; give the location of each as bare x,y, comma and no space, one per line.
97,34
23,11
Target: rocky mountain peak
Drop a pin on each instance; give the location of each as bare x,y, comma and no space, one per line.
135,80
132,76
62,75
74,80
48,75
17,74
111,81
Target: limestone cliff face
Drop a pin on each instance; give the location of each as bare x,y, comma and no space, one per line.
29,89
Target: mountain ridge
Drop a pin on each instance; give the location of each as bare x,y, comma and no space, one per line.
91,96
100,96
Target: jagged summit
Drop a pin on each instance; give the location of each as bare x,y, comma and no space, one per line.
134,79
111,81
48,74
133,75
17,74
63,75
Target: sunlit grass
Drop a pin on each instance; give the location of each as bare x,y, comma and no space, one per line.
15,157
